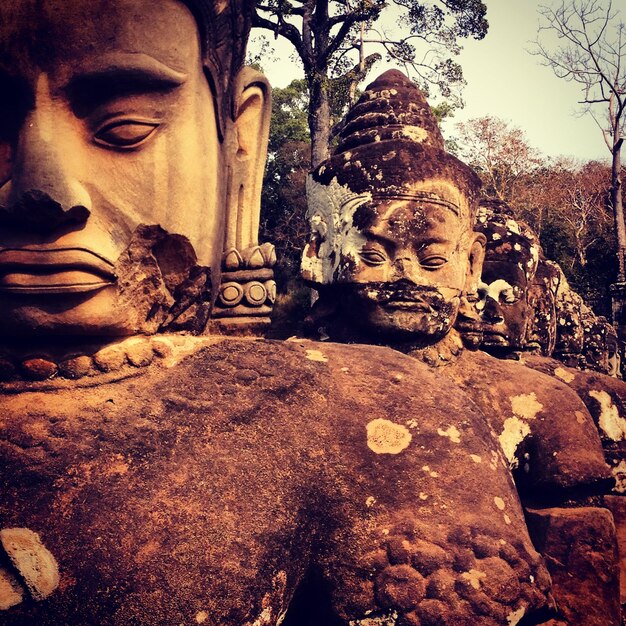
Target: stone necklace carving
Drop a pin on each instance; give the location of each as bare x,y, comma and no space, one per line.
42,369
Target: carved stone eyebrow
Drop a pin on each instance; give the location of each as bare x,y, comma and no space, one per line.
119,74
422,196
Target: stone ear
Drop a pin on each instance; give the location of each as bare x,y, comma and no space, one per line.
475,267
246,156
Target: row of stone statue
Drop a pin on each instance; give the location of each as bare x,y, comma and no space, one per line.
154,471
404,253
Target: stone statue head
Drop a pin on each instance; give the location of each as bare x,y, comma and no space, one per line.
541,328
599,343
132,147
391,216
570,335
511,259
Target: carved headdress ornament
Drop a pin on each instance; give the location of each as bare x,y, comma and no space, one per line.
390,142
390,148
508,239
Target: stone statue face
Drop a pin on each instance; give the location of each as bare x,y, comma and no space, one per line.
107,124
413,263
503,304
541,327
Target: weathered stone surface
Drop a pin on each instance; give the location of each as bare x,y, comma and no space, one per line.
394,255
544,429
11,592
617,506
580,549
135,488
38,368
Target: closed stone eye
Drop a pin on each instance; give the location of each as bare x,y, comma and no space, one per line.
125,133
433,262
373,257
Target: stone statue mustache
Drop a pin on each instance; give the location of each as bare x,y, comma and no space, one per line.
403,299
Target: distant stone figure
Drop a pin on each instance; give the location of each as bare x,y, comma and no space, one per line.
555,315
152,473
397,262
547,311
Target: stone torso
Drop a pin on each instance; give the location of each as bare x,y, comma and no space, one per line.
543,427
204,492
605,399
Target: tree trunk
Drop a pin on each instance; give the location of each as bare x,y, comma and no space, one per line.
319,119
618,208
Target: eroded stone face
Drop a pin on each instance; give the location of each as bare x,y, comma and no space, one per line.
541,329
410,268
511,260
109,126
390,215
503,304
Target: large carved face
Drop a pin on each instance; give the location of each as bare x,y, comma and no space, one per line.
107,124
412,261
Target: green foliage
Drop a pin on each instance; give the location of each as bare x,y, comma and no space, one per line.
283,204
289,115
334,39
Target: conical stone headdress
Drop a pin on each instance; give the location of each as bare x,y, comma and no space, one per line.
390,142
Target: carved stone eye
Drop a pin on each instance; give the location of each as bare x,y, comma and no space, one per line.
373,257
125,133
433,261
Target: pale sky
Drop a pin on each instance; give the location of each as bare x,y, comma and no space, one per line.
505,81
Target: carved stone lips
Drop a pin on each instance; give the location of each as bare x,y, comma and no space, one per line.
53,270
494,337
409,305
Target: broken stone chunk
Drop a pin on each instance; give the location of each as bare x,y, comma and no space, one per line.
34,562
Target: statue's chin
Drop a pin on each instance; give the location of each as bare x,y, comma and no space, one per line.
398,326
95,313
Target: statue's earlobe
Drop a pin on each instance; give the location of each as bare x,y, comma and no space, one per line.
246,156
247,291
475,268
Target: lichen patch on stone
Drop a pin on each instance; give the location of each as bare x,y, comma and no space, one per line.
201,617
452,432
389,619
35,563
369,502
611,423
316,355
473,577
515,431
499,502
514,618
476,458
564,375
264,619
526,405
386,437
619,473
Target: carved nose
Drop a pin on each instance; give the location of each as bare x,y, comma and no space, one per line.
492,313
42,195
404,267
